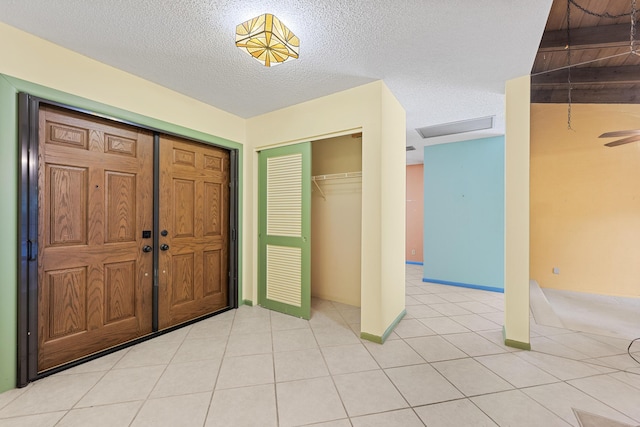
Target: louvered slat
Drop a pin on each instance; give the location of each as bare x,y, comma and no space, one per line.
284,196
284,272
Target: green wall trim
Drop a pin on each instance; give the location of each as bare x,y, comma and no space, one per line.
383,338
513,343
370,337
9,176
115,112
517,344
247,302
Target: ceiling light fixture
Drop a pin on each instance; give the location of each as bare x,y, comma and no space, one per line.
267,39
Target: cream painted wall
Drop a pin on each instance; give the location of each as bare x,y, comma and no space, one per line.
373,110
61,71
516,278
336,218
38,61
393,216
585,199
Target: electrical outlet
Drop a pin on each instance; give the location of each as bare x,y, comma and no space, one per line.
413,251
556,270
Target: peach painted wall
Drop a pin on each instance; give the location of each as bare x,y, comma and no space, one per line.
415,197
585,199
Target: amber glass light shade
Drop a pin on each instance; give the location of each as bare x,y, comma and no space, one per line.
267,39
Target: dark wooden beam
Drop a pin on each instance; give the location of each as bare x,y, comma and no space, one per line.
585,96
629,74
586,37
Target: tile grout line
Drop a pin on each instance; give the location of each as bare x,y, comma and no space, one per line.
273,365
215,381
416,364
335,387
464,396
575,388
146,399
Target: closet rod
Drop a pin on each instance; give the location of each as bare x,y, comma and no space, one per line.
337,176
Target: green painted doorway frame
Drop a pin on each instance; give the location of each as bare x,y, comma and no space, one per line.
284,255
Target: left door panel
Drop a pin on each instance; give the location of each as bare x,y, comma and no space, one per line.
95,191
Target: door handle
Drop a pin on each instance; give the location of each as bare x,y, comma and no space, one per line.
164,247
147,248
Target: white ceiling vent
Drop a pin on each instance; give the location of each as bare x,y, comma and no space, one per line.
411,148
456,127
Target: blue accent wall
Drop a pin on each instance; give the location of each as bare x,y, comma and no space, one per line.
464,212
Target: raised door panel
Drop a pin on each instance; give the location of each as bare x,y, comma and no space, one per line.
66,202
120,145
214,162
182,278
120,206
184,208
67,135
120,296
184,157
213,209
213,269
66,311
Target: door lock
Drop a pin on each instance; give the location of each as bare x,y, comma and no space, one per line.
164,247
147,248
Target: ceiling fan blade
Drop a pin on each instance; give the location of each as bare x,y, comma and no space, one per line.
620,133
624,141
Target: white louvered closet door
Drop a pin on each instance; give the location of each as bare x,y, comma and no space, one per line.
284,229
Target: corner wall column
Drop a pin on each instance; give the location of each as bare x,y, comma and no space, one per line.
517,153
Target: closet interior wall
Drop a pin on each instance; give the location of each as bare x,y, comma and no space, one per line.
336,219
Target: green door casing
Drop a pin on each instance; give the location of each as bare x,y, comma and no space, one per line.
284,229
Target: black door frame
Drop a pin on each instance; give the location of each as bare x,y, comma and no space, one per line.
28,129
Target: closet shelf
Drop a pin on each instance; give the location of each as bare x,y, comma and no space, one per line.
337,176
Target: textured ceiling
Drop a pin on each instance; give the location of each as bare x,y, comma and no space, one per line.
444,60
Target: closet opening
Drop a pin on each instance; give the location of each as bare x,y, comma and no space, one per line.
336,220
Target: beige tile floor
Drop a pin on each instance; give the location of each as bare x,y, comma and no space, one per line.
445,365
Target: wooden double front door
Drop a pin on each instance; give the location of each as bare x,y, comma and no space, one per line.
96,234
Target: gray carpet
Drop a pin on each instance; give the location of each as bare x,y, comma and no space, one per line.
587,419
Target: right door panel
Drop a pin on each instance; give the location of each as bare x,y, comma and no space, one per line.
194,212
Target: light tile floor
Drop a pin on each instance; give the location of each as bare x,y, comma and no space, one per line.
445,365
617,316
